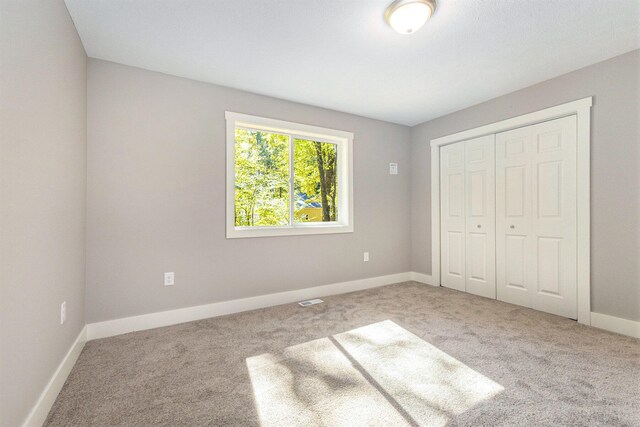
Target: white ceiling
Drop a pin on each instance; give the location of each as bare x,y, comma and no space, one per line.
341,54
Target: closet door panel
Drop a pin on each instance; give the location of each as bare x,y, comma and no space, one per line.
536,216
515,262
554,217
452,216
513,217
480,216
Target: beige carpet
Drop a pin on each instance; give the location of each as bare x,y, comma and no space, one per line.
405,355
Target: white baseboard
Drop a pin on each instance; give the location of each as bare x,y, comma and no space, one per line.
422,278
41,409
615,324
172,317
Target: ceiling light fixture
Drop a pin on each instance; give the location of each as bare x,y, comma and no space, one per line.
408,16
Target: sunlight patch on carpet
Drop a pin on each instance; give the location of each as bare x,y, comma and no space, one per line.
377,375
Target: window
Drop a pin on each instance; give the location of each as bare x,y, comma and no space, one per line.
286,178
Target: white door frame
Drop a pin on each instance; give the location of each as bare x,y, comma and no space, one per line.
582,109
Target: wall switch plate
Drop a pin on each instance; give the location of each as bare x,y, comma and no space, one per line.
393,169
366,257
63,312
169,278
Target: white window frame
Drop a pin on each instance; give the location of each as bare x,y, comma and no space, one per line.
344,143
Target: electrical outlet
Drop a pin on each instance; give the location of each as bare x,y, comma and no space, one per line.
63,312
169,278
393,169
366,257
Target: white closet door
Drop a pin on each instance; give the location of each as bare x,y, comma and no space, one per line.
536,216
513,216
452,216
480,234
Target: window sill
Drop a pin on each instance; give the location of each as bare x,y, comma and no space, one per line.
298,230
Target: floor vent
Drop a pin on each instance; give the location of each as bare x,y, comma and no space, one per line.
309,302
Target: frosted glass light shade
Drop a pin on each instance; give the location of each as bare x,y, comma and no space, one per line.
408,16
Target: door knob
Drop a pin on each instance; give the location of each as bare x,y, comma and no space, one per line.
513,226
479,226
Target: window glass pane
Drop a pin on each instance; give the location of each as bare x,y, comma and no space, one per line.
262,179
315,181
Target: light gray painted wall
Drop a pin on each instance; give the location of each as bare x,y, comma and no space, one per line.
615,180
156,187
42,192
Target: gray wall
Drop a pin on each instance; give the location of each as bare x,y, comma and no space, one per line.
156,186
156,183
615,180
42,191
